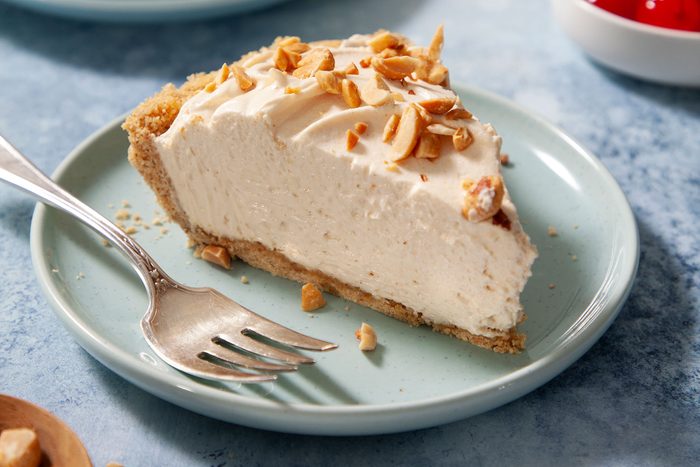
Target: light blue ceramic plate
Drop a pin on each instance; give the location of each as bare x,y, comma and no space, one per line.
137,11
416,378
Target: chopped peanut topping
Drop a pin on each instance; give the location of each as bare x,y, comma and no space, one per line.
384,40
398,97
328,81
291,90
245,82
375,91
351,69
483,199
407,133
284,41
217,255
462,139
281,60
435,48
388,53
438,105
211,87
458,114
298,47
351,140
365,62
367,337
351,95
311,298
390,127
424,177
440,129
315,60
437,74
428,146
222,75
395,67
392,167
361,127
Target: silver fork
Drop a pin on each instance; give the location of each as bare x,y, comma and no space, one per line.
196,330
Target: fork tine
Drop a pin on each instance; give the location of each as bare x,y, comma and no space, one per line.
279,333
231,356
251,345
208,370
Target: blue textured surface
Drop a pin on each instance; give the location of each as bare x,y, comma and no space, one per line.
633,399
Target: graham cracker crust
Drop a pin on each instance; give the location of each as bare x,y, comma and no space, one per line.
154,116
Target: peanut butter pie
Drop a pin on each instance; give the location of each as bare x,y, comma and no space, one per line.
352,165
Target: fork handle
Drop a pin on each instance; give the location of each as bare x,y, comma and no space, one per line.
17,170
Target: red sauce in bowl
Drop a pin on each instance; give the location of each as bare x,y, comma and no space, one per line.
682,15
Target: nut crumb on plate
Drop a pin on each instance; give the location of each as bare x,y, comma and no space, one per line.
244,280
311,298
122,215
367,337
217,255
551,286
552,231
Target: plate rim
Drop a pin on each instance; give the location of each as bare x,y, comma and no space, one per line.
116,11
324,418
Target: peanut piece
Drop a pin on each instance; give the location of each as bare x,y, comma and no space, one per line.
384,40
483,199
351,139
395,67
311,298
440,129
245,82
19,447
351,95
328,81
390,128
438,74
280,60
375,91
438,105
367,337
217,255
223,74
320,59
361,127
407,133
435,48
462,139
428,146
351,69
458,114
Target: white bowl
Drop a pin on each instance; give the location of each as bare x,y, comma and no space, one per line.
648,52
